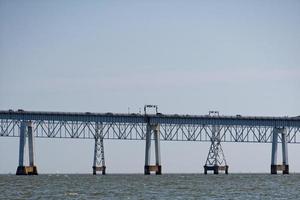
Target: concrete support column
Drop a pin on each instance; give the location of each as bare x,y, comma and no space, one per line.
216,169
274,151
22,144
274,166
157,149
22,169
226,169
147,149
30,144
157,167
285,162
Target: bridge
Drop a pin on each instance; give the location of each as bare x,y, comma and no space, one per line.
213,128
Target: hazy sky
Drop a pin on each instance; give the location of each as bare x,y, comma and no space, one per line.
238,57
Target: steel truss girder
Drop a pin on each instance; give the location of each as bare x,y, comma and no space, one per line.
137,131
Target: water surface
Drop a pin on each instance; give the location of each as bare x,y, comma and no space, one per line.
137,186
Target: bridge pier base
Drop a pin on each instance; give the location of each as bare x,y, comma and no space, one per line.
26,129
99,160
27,170
285,166
152,168
157,167
216,169
97,169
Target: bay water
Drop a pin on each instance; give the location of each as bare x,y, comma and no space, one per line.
139,186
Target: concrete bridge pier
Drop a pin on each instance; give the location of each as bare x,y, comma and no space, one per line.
152,129
26,129
99,160
285,165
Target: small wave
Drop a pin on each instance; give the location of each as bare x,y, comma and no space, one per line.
72,194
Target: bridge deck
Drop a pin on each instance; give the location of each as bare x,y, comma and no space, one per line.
158,118
133,126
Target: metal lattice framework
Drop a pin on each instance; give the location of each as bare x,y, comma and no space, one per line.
133,126
99,148
215,155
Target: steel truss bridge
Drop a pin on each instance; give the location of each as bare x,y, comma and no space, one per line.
100,126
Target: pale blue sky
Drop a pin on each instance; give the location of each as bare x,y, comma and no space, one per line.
238,57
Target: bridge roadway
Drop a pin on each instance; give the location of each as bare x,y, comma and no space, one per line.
100,126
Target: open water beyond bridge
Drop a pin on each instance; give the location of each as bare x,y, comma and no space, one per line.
212,128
